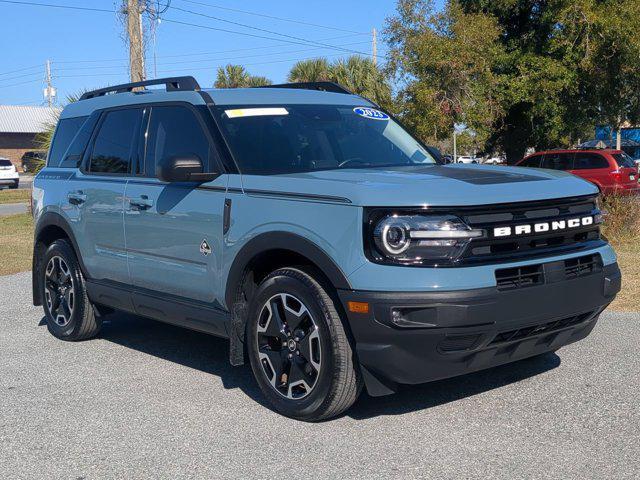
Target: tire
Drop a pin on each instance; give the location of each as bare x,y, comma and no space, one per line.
331,380
78,320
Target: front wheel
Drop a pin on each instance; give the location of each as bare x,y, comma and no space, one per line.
299,351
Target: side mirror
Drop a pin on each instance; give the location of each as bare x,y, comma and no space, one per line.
183,168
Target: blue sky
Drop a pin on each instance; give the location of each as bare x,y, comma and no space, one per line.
87,50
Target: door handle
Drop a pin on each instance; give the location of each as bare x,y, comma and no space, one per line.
76,198
141,203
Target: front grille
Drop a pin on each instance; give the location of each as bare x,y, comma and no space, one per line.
538,274
531,245
457,343
526,332
519,277
581,266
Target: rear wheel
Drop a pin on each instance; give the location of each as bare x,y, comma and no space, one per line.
298,348
14,186
68,311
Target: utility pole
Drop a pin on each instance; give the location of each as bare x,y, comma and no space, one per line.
134,33
455,146
374,47
49,91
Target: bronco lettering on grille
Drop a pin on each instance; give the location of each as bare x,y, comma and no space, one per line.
542,227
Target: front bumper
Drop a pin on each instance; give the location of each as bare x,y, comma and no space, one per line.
436,335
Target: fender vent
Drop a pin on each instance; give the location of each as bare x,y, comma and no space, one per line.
519,277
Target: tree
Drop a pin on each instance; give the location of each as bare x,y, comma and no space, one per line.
356,73
568,64
447,65
313,70
236,76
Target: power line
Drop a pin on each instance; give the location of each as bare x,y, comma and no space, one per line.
218,59
197,54
20,70
68,7
21,83
293,37
273,17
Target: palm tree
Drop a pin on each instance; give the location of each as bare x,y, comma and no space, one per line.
231,76
314,70
258,81
362,77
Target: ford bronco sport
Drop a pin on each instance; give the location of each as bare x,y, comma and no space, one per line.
306,226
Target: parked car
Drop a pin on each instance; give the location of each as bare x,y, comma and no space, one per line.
8,174
308,228
467,159
612,171
32,161
496,160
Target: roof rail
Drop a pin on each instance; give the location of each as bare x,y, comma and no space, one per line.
321,86
172,84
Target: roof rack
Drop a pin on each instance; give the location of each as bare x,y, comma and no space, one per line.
172,84
321,86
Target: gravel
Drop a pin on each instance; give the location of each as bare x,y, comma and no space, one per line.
148,400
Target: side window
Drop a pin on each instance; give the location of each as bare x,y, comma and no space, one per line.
113,144
174,130
586,161
557,161
66,130
73,156
532,161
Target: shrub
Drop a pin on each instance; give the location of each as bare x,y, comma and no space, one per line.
622,219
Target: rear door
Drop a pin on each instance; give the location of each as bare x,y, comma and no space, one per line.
174,231
95,194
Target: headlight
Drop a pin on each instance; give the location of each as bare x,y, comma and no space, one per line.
421,239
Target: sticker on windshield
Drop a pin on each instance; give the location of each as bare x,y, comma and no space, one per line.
255,112
371,113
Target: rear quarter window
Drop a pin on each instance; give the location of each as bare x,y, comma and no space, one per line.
5,163
66,131
587,161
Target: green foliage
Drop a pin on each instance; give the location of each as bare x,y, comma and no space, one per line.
236,76
314,70
446,62
519,74
356,73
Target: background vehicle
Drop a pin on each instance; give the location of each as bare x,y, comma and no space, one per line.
496,160
8,174
291,220
612,171
467,159
33,161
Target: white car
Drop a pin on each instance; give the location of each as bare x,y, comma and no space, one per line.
8,174
495,161
467,159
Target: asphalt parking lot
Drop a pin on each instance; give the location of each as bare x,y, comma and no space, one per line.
147,400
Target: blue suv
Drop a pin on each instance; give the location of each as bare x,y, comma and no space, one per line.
305,225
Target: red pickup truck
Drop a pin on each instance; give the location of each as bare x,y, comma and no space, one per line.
613,171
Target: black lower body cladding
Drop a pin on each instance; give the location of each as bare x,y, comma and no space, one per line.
417,337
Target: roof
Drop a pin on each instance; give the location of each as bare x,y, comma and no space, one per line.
26,119
624,142
223,96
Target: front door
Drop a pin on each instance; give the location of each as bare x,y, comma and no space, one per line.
174,231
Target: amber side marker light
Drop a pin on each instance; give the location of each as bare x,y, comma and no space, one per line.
358,307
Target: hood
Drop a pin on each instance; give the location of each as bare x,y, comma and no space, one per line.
432,185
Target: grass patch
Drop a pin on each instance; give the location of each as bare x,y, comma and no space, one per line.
20,195
16,243
628,299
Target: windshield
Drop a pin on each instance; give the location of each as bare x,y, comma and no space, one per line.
624,161
303,138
